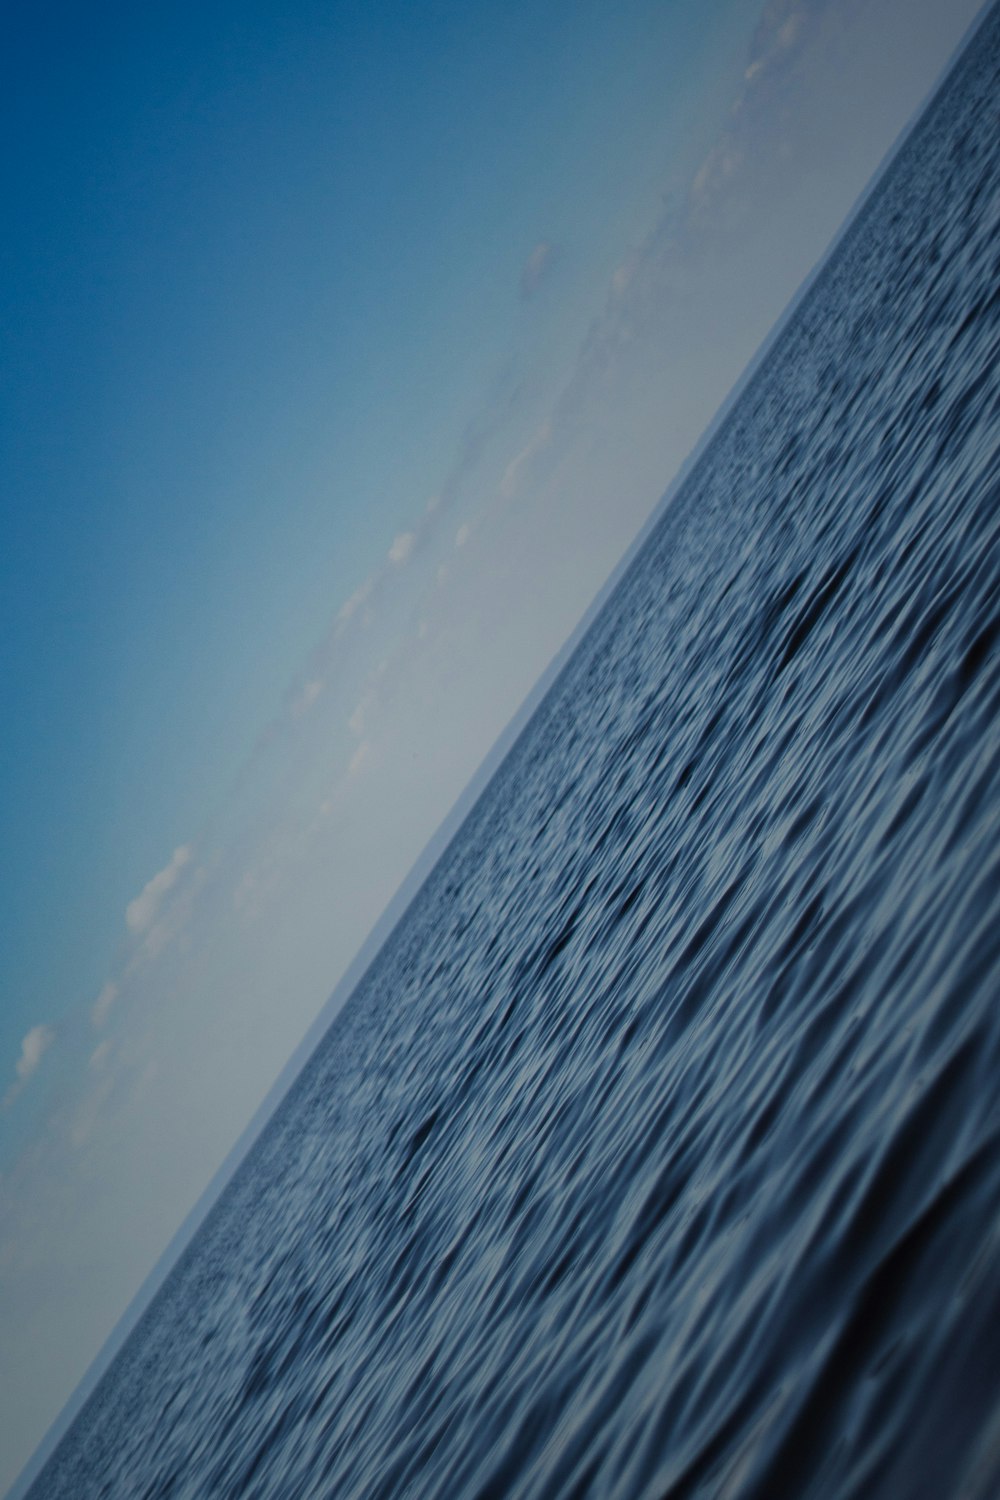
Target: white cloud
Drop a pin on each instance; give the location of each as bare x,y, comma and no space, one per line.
716,172
623,273
401,547
307,698
38,1041
514,470
462,534
788,34
535,267
99,1056
359,758
442,574
356,723
780,28
139,913
33,1047
353,604
101,1008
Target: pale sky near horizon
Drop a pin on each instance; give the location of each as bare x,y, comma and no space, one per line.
346,351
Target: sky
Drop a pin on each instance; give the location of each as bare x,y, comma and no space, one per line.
346,350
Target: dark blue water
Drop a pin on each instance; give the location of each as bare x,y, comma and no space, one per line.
657,1155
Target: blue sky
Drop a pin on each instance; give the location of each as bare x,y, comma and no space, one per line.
346,349
261,262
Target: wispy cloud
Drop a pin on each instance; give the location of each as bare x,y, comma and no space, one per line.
305,700
140,913
514,470
34,1045
350,606
462,534
37,1042
402,547
775,52
623,273
536,267
780,27
359,758
101,1008
99,1056
720,205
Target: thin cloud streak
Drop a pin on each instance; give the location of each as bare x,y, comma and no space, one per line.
102,1006
34,1045
401,548
536,268
37,1042
141,912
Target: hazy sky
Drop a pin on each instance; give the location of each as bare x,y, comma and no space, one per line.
346,348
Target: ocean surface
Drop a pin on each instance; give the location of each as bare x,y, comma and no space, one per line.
657,1153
